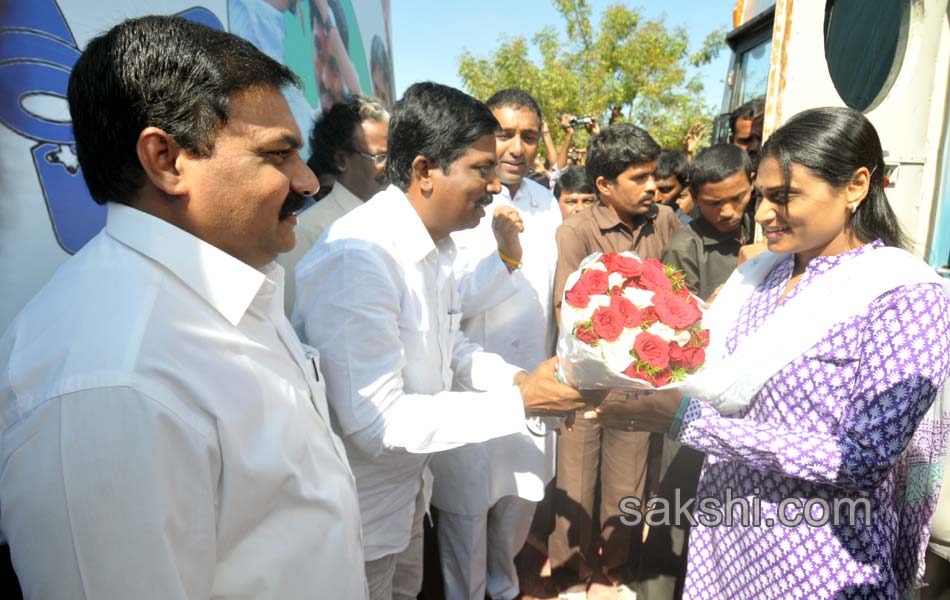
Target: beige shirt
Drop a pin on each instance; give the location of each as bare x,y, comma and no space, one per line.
311,224
598,229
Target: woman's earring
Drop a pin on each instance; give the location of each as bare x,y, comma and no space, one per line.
854,207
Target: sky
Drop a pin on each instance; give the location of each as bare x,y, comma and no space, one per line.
428,37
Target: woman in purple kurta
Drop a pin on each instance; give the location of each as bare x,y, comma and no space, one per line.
848,419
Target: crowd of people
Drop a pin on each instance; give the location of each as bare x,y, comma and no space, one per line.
235,392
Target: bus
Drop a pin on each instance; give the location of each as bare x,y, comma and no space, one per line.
889,59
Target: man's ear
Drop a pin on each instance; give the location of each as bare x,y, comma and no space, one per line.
159,154
422,172
603,186
340,158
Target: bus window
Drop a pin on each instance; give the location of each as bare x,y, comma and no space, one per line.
754,72
864,47
755,7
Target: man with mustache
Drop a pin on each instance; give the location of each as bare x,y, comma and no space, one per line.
378,296
165,433
745,126
348,142
486,493
585,553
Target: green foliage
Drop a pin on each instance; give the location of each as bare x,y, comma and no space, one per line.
641,66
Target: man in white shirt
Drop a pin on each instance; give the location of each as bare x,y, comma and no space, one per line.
486,493
377,294
165,434
349,142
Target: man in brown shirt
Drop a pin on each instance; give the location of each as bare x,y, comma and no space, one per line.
585,553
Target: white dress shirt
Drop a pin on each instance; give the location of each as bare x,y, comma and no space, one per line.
311,224
521,329
165,434
379,299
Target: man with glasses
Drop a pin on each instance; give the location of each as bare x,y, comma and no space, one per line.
349,142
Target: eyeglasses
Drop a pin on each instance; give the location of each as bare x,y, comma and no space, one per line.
378,159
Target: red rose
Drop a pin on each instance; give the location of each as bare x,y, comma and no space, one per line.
634,283
608,323
674,311
626,266
578,296
654,263
661,378
652,350
586,334
653,278
595,281
685,294
630,313
635,371
695,357
648,316
699,338
678,356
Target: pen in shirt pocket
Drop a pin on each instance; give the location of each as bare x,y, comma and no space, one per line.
313,361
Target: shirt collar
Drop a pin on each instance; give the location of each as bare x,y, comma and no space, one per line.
343,197
224,282
415,243
711,236
606,219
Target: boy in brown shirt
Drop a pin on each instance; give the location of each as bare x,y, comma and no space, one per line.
620,163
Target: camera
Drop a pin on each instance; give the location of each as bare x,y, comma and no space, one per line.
581,121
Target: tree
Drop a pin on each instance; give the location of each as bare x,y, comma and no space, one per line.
639,66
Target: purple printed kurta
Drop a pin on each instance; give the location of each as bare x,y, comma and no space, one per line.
837,422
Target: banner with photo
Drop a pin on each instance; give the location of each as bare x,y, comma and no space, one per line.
336,47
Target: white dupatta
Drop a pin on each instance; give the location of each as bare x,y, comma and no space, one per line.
729,382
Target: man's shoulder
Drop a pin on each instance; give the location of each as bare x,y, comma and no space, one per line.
321,215
537,190
89,326
581,221
666,216
685,240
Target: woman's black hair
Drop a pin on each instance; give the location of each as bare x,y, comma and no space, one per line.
833,143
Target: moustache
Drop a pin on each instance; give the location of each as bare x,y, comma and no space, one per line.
483,202
647,196
292,204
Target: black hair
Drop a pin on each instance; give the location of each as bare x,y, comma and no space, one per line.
514,98
435,121
333,131
833,143
573,180
616,149
672,163
717,163
750,110
157,71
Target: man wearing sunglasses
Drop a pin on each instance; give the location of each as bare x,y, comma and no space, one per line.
349,143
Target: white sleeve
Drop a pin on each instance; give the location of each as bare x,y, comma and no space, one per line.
349,309
106,493
483,281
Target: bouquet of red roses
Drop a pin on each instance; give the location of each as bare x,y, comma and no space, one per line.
628,323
